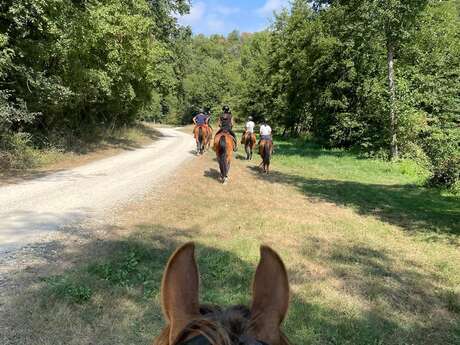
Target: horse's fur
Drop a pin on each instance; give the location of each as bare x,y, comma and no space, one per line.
237,325
223,145
249,140
223,157
208,138
265,151
201,137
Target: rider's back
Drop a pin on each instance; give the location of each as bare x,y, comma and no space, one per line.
250,125
201,119
226,121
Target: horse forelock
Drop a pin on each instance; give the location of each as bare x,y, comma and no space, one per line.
220,326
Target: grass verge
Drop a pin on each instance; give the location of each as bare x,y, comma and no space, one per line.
26,162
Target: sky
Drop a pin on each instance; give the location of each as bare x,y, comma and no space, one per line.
223,16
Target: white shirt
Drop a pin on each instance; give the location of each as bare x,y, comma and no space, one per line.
250,126
265,130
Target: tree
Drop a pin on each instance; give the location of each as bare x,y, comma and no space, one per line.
398,18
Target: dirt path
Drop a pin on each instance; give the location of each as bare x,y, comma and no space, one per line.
33,211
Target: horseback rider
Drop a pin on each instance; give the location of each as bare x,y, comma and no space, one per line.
248,128
226,124
200,119
265,131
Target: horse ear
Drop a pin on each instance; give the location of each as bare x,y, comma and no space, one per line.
270,297
180,290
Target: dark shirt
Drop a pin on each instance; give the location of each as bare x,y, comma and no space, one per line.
226,121
201,119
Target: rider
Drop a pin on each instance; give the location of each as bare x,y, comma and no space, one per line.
226,124
249,127
265,131
201,119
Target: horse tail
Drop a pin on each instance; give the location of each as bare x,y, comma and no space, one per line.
200,135
266,154
223,155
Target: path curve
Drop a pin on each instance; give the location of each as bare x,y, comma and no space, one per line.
34,209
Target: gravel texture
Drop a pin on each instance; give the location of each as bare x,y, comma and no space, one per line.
37,211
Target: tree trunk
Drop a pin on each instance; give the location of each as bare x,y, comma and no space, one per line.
284,135
392,91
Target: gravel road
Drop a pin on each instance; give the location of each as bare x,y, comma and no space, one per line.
34,210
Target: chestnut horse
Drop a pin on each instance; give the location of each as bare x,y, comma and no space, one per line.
223,145
201,137
189,323
249,141
265,151
209,138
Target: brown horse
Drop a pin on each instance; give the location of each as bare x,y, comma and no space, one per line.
265,151
189,323
249,141
201,137
209,138
223,145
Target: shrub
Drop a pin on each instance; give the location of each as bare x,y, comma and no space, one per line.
16,151
442,147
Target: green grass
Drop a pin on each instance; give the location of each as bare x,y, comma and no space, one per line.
344,165
393,192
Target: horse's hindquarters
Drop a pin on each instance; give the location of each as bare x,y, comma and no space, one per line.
201,137
223,145
265,151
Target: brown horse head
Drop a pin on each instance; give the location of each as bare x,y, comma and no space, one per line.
190,323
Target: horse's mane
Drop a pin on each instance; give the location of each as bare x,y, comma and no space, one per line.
220,326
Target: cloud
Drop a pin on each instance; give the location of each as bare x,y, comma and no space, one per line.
271,6
215,24
226,10
196,15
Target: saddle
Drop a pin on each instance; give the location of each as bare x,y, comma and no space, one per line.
202,126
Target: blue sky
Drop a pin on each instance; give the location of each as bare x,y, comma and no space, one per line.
222,16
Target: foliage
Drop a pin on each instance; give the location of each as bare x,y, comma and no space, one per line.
322,69
212,76
75,66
